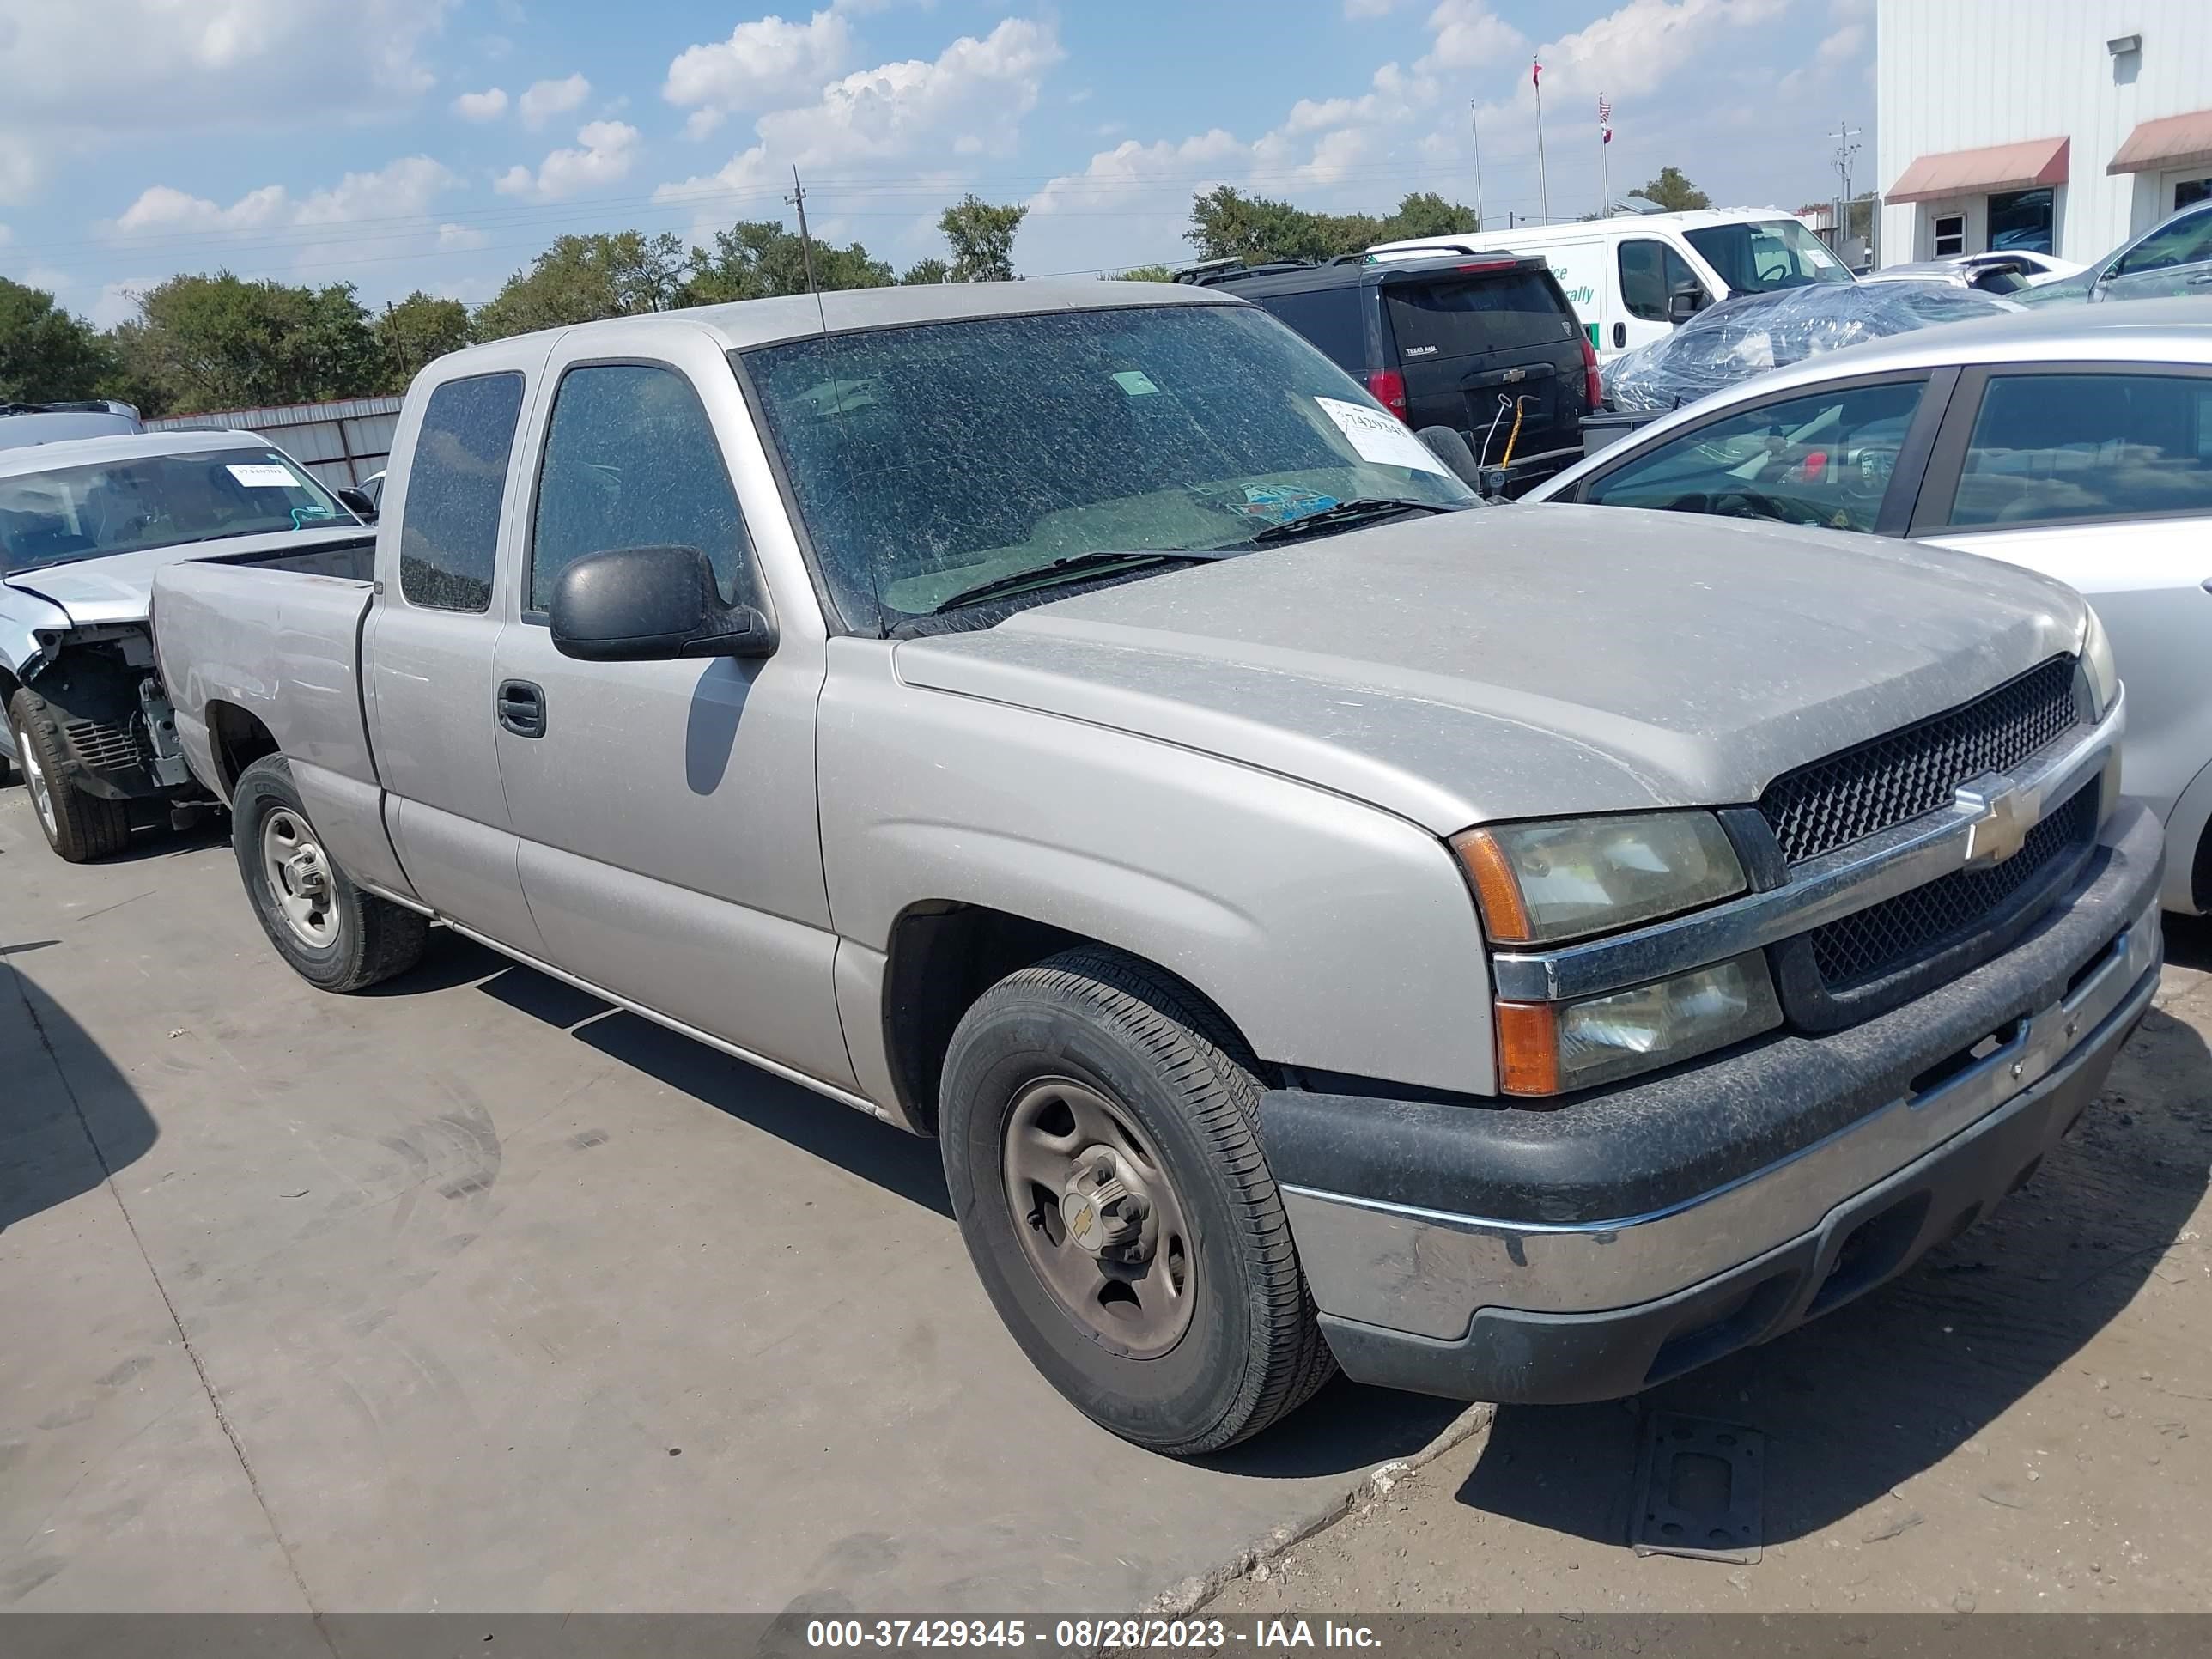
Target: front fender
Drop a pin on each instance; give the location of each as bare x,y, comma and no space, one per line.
1337,937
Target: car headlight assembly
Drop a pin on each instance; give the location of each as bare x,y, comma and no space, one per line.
2098,678
1553,1048
1539,884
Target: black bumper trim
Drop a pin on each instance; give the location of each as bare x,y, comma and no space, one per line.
1659,1142
1512,1356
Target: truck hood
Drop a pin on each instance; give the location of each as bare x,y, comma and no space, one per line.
118,588
1525,661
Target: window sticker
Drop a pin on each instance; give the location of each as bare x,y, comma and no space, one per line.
1383,439
263,475
1135,382
1279,503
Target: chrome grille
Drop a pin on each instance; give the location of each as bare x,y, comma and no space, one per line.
1846,797
1916,925
107,748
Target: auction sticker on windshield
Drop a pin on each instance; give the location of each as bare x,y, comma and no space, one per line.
1380,438
262,475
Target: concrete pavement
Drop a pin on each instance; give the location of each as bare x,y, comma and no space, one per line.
476,1295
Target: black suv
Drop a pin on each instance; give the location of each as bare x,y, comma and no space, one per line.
1484,343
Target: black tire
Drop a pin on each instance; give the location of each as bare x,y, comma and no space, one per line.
1252,1351
83,827
371,938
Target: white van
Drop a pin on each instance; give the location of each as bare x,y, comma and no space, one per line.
1632,278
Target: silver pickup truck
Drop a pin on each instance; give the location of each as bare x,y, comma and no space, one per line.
1512,953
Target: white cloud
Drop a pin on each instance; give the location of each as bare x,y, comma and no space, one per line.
546,99
6,235
486,105
1841,45
968,101
1634,49
1130,166
118,301
454,238
764,64
1469,35
401,189
1357,9
80,74
606,152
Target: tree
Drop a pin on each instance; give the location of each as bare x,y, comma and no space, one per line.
754,259
46,355
1675,192
982,239
1424,213
930,269
210,342
414,331
1142,274
581,279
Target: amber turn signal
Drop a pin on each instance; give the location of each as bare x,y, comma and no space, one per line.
1504,917
1528,1048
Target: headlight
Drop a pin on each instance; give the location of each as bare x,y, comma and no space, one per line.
2101,680
1539,883
1549,1047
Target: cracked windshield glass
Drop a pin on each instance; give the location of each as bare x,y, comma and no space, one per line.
1019,454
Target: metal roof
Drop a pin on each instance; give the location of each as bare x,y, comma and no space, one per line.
344,408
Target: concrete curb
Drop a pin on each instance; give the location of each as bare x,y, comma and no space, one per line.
1181,1599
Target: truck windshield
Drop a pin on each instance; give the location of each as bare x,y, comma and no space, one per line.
71,513
1767,254
926,460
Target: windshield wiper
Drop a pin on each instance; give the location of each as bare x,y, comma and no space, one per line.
1067,569
1342,514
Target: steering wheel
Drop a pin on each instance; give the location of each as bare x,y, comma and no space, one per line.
1774,274
1744,504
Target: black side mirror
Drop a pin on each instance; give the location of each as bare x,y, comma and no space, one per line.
651,605
1685,303
356,503
1450,446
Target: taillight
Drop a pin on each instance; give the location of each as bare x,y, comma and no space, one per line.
1593,384
1388,387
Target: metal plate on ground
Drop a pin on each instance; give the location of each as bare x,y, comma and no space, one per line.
1699,1486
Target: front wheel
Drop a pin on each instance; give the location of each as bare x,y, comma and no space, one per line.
1099,1126
335,934
79,827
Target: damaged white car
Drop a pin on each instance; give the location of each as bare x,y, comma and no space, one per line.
83,526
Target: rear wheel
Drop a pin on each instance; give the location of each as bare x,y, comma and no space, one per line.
79,827
1100,1138
335,934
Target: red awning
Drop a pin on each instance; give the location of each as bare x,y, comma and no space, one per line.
2178,140
1978,172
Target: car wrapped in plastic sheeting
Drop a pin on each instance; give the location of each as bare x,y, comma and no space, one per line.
1737,338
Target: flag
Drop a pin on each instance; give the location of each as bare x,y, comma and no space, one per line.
1536,72
1604,120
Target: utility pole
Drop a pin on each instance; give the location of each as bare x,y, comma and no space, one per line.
1475,119
1846,138
798,199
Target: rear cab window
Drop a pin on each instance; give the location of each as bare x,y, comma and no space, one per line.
456,480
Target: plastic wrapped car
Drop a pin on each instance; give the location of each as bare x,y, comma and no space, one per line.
1748,335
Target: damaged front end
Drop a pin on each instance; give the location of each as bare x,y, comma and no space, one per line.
118,730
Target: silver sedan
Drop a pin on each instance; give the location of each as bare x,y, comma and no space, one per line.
2076,442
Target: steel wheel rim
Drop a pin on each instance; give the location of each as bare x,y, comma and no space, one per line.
299,878
1136,1298
35,779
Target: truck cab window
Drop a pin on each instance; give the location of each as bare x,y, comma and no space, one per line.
449,528
1649,272
631,461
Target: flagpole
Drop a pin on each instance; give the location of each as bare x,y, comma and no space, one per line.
1475,119
1604,158
1543,189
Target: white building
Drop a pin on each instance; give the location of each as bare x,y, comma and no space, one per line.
2063,126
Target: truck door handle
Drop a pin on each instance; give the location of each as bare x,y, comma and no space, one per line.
522,707
1619,334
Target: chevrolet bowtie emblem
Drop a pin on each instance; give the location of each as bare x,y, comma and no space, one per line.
2007,812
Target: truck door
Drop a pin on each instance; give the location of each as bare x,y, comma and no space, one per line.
429,653
669,847
1650,271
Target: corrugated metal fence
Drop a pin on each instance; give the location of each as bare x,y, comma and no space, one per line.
341,443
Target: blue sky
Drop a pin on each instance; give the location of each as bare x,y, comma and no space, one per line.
440,143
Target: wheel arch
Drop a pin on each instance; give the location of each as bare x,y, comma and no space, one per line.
943,954
236,739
